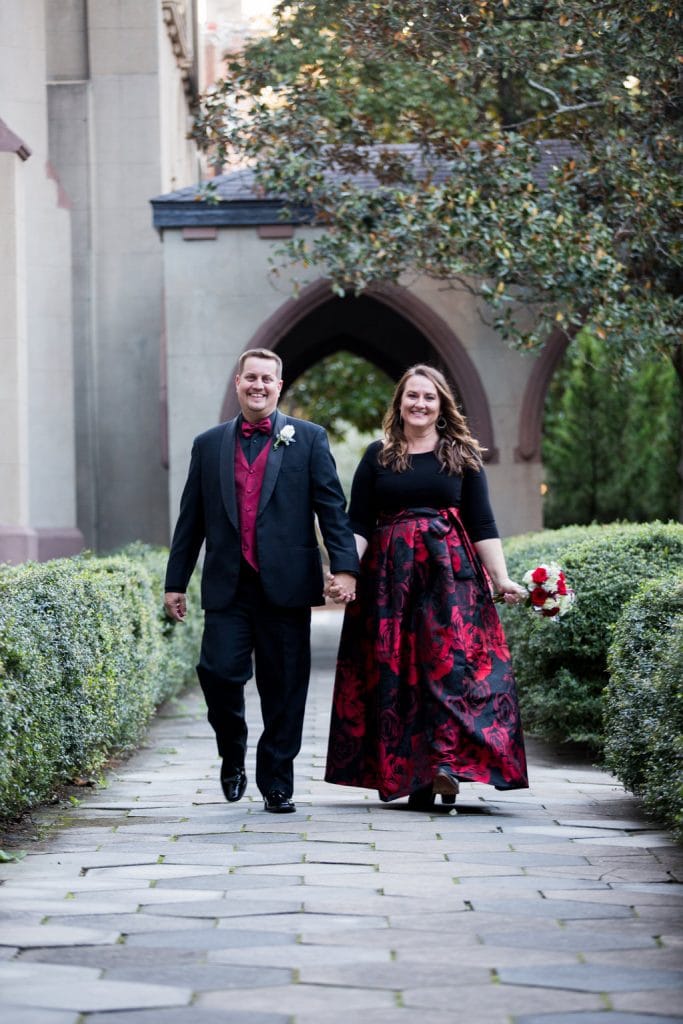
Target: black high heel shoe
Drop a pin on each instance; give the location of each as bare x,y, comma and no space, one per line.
446,785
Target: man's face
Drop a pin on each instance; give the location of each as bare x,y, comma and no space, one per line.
258,388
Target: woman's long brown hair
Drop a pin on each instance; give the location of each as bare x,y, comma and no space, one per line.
456,449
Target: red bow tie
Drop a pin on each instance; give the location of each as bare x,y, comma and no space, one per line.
262,427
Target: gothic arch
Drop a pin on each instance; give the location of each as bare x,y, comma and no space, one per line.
307,328
530,426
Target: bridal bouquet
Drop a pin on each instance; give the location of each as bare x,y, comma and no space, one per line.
549,594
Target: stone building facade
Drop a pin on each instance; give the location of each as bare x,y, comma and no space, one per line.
119,342
94,113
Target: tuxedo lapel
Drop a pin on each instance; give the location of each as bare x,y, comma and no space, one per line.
227,471
274,462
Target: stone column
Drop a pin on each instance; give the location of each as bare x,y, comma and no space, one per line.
18,541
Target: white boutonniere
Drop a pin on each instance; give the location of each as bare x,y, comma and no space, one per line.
285,436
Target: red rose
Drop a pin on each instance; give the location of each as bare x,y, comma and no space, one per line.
561,586
539,575
538,597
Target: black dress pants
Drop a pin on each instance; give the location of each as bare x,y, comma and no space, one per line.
280,641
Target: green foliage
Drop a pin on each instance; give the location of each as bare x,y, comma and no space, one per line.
611,446
338,390
412,130
561,666
86,653
644,698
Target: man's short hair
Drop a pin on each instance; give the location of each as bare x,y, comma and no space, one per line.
261,353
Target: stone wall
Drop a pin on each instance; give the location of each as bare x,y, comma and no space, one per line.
99,91
119,124
37,453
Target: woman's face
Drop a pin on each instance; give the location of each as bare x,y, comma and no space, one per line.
420,404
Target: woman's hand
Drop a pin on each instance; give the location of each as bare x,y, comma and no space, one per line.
491,553
341,588
511,592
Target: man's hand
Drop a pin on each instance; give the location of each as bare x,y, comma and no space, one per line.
341,587
175,605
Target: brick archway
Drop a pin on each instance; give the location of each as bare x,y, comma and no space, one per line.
387,325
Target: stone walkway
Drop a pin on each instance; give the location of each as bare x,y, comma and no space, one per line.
155,901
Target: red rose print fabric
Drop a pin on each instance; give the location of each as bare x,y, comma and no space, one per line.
423,673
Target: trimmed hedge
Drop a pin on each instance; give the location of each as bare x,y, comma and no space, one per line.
86,654
644,699
561,666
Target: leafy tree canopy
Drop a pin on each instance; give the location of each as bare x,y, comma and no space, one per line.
413,129
611,447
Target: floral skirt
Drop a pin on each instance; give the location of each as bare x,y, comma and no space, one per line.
423,673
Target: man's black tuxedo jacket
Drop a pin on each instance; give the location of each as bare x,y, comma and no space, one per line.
300,481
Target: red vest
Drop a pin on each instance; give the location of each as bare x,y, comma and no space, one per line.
248,484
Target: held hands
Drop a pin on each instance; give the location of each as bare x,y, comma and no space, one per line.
175,605
341,588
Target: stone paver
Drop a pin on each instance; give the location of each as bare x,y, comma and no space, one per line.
596,1018
190,1015
154,900
33,1015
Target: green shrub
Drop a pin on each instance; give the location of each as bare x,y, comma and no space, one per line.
644,699
179,642
86,653
561,666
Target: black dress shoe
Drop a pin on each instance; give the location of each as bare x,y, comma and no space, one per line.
276,802
233,783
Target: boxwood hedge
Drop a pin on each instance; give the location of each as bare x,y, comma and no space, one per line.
644,698
561,666
86,654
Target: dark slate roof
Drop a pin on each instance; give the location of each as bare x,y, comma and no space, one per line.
229,187
226,200
233,200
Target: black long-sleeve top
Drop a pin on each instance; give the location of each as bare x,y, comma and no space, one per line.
377,489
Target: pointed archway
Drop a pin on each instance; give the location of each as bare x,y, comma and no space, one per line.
388,326
530,425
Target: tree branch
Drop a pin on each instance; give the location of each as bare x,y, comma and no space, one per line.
549,92
561,107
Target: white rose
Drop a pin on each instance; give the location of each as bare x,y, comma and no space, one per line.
285,436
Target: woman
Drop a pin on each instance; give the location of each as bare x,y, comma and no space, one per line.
424,692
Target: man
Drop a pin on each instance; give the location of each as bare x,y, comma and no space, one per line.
253,489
